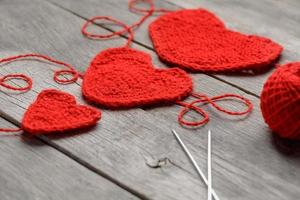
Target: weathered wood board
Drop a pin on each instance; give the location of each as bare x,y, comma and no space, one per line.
135,148
30,169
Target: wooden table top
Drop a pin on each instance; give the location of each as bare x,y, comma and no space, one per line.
132,154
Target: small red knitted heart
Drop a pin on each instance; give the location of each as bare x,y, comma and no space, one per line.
197,40
124,78
56,111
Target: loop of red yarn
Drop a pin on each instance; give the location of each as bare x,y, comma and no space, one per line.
70,71
201,98
16,76
280,101
190,106
106,36
132,6
74,75
204,99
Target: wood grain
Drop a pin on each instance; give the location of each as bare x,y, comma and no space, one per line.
135,148
277,20
30,169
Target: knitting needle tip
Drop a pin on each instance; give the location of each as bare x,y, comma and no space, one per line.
189,155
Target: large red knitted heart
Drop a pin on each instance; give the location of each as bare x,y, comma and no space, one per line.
197,40
124,78
56,111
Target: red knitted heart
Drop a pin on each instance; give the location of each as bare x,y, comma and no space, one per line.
197,40
124,78
56,111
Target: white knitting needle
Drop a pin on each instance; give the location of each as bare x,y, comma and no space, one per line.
199,171
209,165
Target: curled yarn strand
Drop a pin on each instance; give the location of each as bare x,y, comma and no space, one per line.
70,70
204,99
106,36
201,98
16,76
191,106
125,28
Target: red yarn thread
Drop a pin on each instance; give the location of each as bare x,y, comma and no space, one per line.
280,101
191,106
201,98
28,80
16,76
132,6
8,130
204,99
100,36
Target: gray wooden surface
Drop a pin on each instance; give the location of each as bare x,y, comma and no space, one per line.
30,169
131,153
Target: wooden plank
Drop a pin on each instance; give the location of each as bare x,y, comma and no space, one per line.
134,147
278,20
29,169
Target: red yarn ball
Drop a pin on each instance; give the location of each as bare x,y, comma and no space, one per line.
280,101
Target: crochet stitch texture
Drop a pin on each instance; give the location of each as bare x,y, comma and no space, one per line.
125,78
280,101
56,111
195,39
